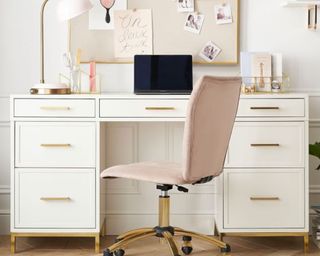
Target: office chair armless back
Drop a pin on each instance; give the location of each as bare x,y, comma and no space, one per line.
210,117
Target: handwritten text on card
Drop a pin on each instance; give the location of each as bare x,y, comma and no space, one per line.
133,33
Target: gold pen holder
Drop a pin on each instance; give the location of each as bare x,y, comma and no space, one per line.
277,84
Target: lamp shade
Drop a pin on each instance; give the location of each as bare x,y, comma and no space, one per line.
69,9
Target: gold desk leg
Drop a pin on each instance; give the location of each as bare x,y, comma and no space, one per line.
97,243
306,242
13,244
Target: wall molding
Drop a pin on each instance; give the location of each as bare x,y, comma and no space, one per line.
4,190
314,189
5,212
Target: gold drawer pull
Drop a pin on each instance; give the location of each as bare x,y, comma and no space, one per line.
265,108
160,108
54,108
56,145
264,198
265,145
55,199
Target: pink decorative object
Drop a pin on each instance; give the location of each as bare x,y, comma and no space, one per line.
93,87
108,4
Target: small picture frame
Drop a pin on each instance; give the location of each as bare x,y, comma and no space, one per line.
210,52
185,5
194,23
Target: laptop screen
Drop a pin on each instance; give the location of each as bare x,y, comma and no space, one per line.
168,74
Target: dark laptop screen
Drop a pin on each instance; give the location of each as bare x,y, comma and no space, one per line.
163,74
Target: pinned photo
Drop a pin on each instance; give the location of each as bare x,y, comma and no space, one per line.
210,52
194,22
185,5
223,14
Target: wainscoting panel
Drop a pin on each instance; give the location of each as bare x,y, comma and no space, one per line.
4,108
4,165
118,224
121,143
4,154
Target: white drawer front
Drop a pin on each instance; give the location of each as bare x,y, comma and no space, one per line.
55,144
271,108
266,144
54,198
143,108
264,199
54,108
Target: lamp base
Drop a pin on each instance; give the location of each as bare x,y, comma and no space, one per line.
50,89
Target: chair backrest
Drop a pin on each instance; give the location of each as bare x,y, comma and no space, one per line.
210,118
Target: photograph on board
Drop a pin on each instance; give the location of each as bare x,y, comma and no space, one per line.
210,52
223,14
194,22
185,5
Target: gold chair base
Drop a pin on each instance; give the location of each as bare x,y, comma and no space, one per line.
164,231
132,236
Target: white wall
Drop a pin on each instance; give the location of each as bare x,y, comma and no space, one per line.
19,70
19,44
265,26
269,27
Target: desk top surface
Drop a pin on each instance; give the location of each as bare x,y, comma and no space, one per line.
154,96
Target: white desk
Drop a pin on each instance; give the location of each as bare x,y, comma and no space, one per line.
58,151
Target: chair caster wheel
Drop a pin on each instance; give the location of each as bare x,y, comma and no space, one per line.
186,238
107,252
186,250
227,249
119,252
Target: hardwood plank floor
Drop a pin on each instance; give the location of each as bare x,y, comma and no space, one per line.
152,247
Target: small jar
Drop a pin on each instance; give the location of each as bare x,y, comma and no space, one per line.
276,86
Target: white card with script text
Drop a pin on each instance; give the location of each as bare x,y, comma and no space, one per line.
133,33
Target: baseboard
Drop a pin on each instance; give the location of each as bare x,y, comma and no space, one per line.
4,224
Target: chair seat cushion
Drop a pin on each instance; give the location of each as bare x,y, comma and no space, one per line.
161,173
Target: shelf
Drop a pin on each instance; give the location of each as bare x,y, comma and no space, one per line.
300,3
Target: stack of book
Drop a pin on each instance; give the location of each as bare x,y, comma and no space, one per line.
316,225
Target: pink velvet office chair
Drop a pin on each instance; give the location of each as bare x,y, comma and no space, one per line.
210,118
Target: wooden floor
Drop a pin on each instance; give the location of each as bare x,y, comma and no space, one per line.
152,247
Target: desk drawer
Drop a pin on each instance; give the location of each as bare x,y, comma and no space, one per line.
266,144
54,108
271,108
143,108
54,198
264,198
55,144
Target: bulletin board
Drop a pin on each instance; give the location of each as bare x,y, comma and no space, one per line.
169,35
